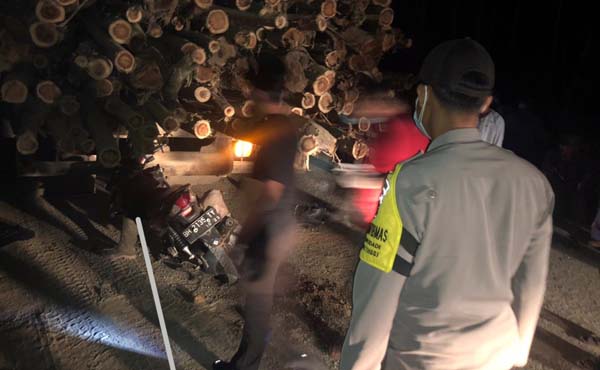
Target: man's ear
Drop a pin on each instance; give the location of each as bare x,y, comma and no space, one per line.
486,104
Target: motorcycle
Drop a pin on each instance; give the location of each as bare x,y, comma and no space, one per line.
192,233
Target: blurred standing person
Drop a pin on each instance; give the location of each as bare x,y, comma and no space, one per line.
491,126
269,229
453,269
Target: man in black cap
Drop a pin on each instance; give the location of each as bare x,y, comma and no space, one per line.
452,273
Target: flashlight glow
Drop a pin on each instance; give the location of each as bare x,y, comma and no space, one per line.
243,149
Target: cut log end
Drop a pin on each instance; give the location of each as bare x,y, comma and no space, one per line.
124,61
333,59
202,94
364,124
44,35
248,109
322,23
69,105
329,8
134,14
388,42
217,22
155,30
281,22
199,55
49,11
120,31
247,40
202,129
272,3
322,85
103,88
386,17
243,5
178,24
81,61
308,100
229,111
203,4
27,143
359,150
214,46
326,103
382,3
48,92
99,68
14,92
297,111
203,74
308,144
170,124
109,157
347,109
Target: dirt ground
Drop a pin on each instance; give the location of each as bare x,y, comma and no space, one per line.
64,306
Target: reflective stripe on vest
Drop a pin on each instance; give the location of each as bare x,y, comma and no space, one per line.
387,233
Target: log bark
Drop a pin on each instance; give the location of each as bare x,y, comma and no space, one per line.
97,123
80,136
32,118
222,103
69,105
162,115
181,74
124,113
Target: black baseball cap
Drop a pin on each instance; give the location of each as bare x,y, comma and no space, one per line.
461,66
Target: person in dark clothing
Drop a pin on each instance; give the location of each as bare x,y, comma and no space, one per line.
269,229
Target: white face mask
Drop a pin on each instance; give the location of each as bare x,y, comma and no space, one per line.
418,118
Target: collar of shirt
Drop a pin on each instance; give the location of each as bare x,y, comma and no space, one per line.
462,135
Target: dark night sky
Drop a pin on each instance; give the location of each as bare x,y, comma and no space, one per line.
544,51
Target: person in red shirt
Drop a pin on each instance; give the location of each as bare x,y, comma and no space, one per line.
400,141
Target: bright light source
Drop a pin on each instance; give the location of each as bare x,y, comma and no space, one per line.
242,149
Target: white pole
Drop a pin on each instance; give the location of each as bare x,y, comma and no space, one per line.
159,311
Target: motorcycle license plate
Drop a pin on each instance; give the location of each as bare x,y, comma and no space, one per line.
201,225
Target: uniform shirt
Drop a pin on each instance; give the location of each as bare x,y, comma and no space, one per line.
482,218
491,127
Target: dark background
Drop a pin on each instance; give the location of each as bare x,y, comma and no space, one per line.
545,52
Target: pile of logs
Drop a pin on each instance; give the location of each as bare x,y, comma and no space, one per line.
79,73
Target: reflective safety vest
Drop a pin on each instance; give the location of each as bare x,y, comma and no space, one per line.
387,233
